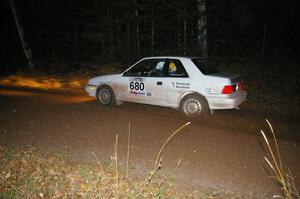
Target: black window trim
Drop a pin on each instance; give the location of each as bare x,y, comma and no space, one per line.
165,69
159,59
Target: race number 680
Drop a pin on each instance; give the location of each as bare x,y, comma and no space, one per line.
136,86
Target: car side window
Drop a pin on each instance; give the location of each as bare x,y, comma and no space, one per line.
147,68
176,69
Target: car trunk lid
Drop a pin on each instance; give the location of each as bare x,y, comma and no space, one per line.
236,82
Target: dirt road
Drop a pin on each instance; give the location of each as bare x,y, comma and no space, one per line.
222,152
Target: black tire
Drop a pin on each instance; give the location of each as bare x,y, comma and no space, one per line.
106,96
194,105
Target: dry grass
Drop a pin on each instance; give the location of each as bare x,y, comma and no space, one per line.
158,160
57,81
27,173
45,82
283,176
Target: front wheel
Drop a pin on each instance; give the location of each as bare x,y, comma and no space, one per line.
194,105
105,96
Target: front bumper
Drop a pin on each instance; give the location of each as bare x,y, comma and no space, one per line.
229,102
90,89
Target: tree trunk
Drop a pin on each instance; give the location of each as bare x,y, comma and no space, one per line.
178,32
184,36
263,45
137,27
76,39
25,45
202,31
152,27
128,40
110,34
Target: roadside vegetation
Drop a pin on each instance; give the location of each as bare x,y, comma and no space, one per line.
282,175
28,173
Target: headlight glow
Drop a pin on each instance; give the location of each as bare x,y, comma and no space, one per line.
91,87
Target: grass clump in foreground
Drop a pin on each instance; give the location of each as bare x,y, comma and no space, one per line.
282,176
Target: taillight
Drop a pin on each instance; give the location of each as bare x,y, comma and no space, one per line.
227,89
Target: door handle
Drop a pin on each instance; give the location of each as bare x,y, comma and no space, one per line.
159,83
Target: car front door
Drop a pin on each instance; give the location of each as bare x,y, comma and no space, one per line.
144,83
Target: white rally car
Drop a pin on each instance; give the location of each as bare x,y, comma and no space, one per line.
188,84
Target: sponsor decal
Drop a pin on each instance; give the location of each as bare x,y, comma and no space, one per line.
137,93
210,91
181,85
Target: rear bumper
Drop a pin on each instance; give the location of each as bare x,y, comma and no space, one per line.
229,102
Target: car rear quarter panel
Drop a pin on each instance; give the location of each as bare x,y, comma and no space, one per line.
207,86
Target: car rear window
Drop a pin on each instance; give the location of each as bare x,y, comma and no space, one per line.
205,67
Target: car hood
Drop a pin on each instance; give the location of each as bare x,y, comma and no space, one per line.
104,79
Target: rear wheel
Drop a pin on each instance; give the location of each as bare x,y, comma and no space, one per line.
105,96
194,105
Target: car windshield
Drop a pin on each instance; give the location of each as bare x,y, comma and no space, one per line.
205,67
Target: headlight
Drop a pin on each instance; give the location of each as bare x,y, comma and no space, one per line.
91,87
